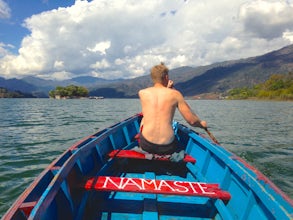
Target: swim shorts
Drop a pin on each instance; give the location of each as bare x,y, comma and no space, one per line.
158,148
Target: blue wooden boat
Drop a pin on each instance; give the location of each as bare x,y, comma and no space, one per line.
101,177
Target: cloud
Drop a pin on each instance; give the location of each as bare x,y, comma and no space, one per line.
100,47
62,75
125,38
268,20
5,11
59,64
4,49
103,64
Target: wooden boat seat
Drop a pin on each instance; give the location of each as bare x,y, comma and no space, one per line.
137,155
153,186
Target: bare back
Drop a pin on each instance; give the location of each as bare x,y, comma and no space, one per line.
158,107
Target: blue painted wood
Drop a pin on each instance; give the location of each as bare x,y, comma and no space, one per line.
59,193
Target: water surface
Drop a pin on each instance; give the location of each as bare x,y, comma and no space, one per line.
33,132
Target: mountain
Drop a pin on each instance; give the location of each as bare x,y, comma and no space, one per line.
217,78
40,88
91,81
16,85
246,72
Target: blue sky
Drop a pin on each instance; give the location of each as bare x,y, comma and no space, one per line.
12,31
55,39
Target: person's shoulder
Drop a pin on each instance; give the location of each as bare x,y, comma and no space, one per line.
177,94
140,92
175,91
143,91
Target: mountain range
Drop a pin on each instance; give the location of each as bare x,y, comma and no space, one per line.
216,78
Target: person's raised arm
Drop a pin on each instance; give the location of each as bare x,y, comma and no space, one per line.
188,114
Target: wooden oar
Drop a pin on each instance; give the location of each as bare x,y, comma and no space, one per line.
212,136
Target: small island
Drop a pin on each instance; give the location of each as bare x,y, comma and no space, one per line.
69,92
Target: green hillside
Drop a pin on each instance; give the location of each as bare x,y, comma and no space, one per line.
277,87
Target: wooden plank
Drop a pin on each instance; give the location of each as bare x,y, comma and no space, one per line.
27,207
168,187
137,155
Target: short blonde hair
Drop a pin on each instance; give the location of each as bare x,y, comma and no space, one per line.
158,73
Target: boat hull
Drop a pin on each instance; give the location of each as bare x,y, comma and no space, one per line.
61,192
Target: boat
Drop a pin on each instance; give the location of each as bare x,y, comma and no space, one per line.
103,177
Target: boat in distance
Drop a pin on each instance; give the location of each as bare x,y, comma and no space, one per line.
104,176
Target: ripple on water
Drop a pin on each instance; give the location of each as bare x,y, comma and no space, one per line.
36,131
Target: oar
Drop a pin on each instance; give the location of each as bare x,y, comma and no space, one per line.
212,136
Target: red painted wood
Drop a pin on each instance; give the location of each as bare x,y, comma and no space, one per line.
27,207
169,187
136,155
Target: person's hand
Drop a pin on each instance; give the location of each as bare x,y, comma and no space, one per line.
204,124
170,84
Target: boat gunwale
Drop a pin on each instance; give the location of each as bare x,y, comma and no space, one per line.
261,187
73,151
257,182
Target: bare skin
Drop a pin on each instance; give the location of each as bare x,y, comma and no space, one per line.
158,107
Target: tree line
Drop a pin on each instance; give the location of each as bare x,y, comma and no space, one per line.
5,93
277,87
70,91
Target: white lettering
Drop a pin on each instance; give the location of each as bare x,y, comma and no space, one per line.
192,187
131,182
161,186
203,189
178,184
163,183
149,183
108,178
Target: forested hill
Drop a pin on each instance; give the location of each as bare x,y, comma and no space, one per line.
217,78
205,81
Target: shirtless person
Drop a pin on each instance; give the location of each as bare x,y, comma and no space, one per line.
158,108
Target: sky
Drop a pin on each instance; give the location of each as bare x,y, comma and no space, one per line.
61,39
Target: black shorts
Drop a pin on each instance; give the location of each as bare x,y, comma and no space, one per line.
158,148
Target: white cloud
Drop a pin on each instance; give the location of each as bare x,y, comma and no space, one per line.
58,64
125,38
103,64
4,49
5,11
100,47
288,35
267,19
62,75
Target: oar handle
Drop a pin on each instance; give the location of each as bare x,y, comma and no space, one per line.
212,136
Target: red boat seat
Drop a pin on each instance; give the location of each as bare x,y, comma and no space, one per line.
137,155
153,186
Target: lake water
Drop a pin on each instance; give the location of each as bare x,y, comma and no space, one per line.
33,132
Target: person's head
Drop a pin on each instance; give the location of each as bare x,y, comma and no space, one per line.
159,74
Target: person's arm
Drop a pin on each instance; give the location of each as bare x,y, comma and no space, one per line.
141,125
190,117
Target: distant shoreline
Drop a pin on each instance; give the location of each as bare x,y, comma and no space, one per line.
186,97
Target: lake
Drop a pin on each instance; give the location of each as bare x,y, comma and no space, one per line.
33,132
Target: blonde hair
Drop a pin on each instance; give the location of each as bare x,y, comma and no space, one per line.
158,72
